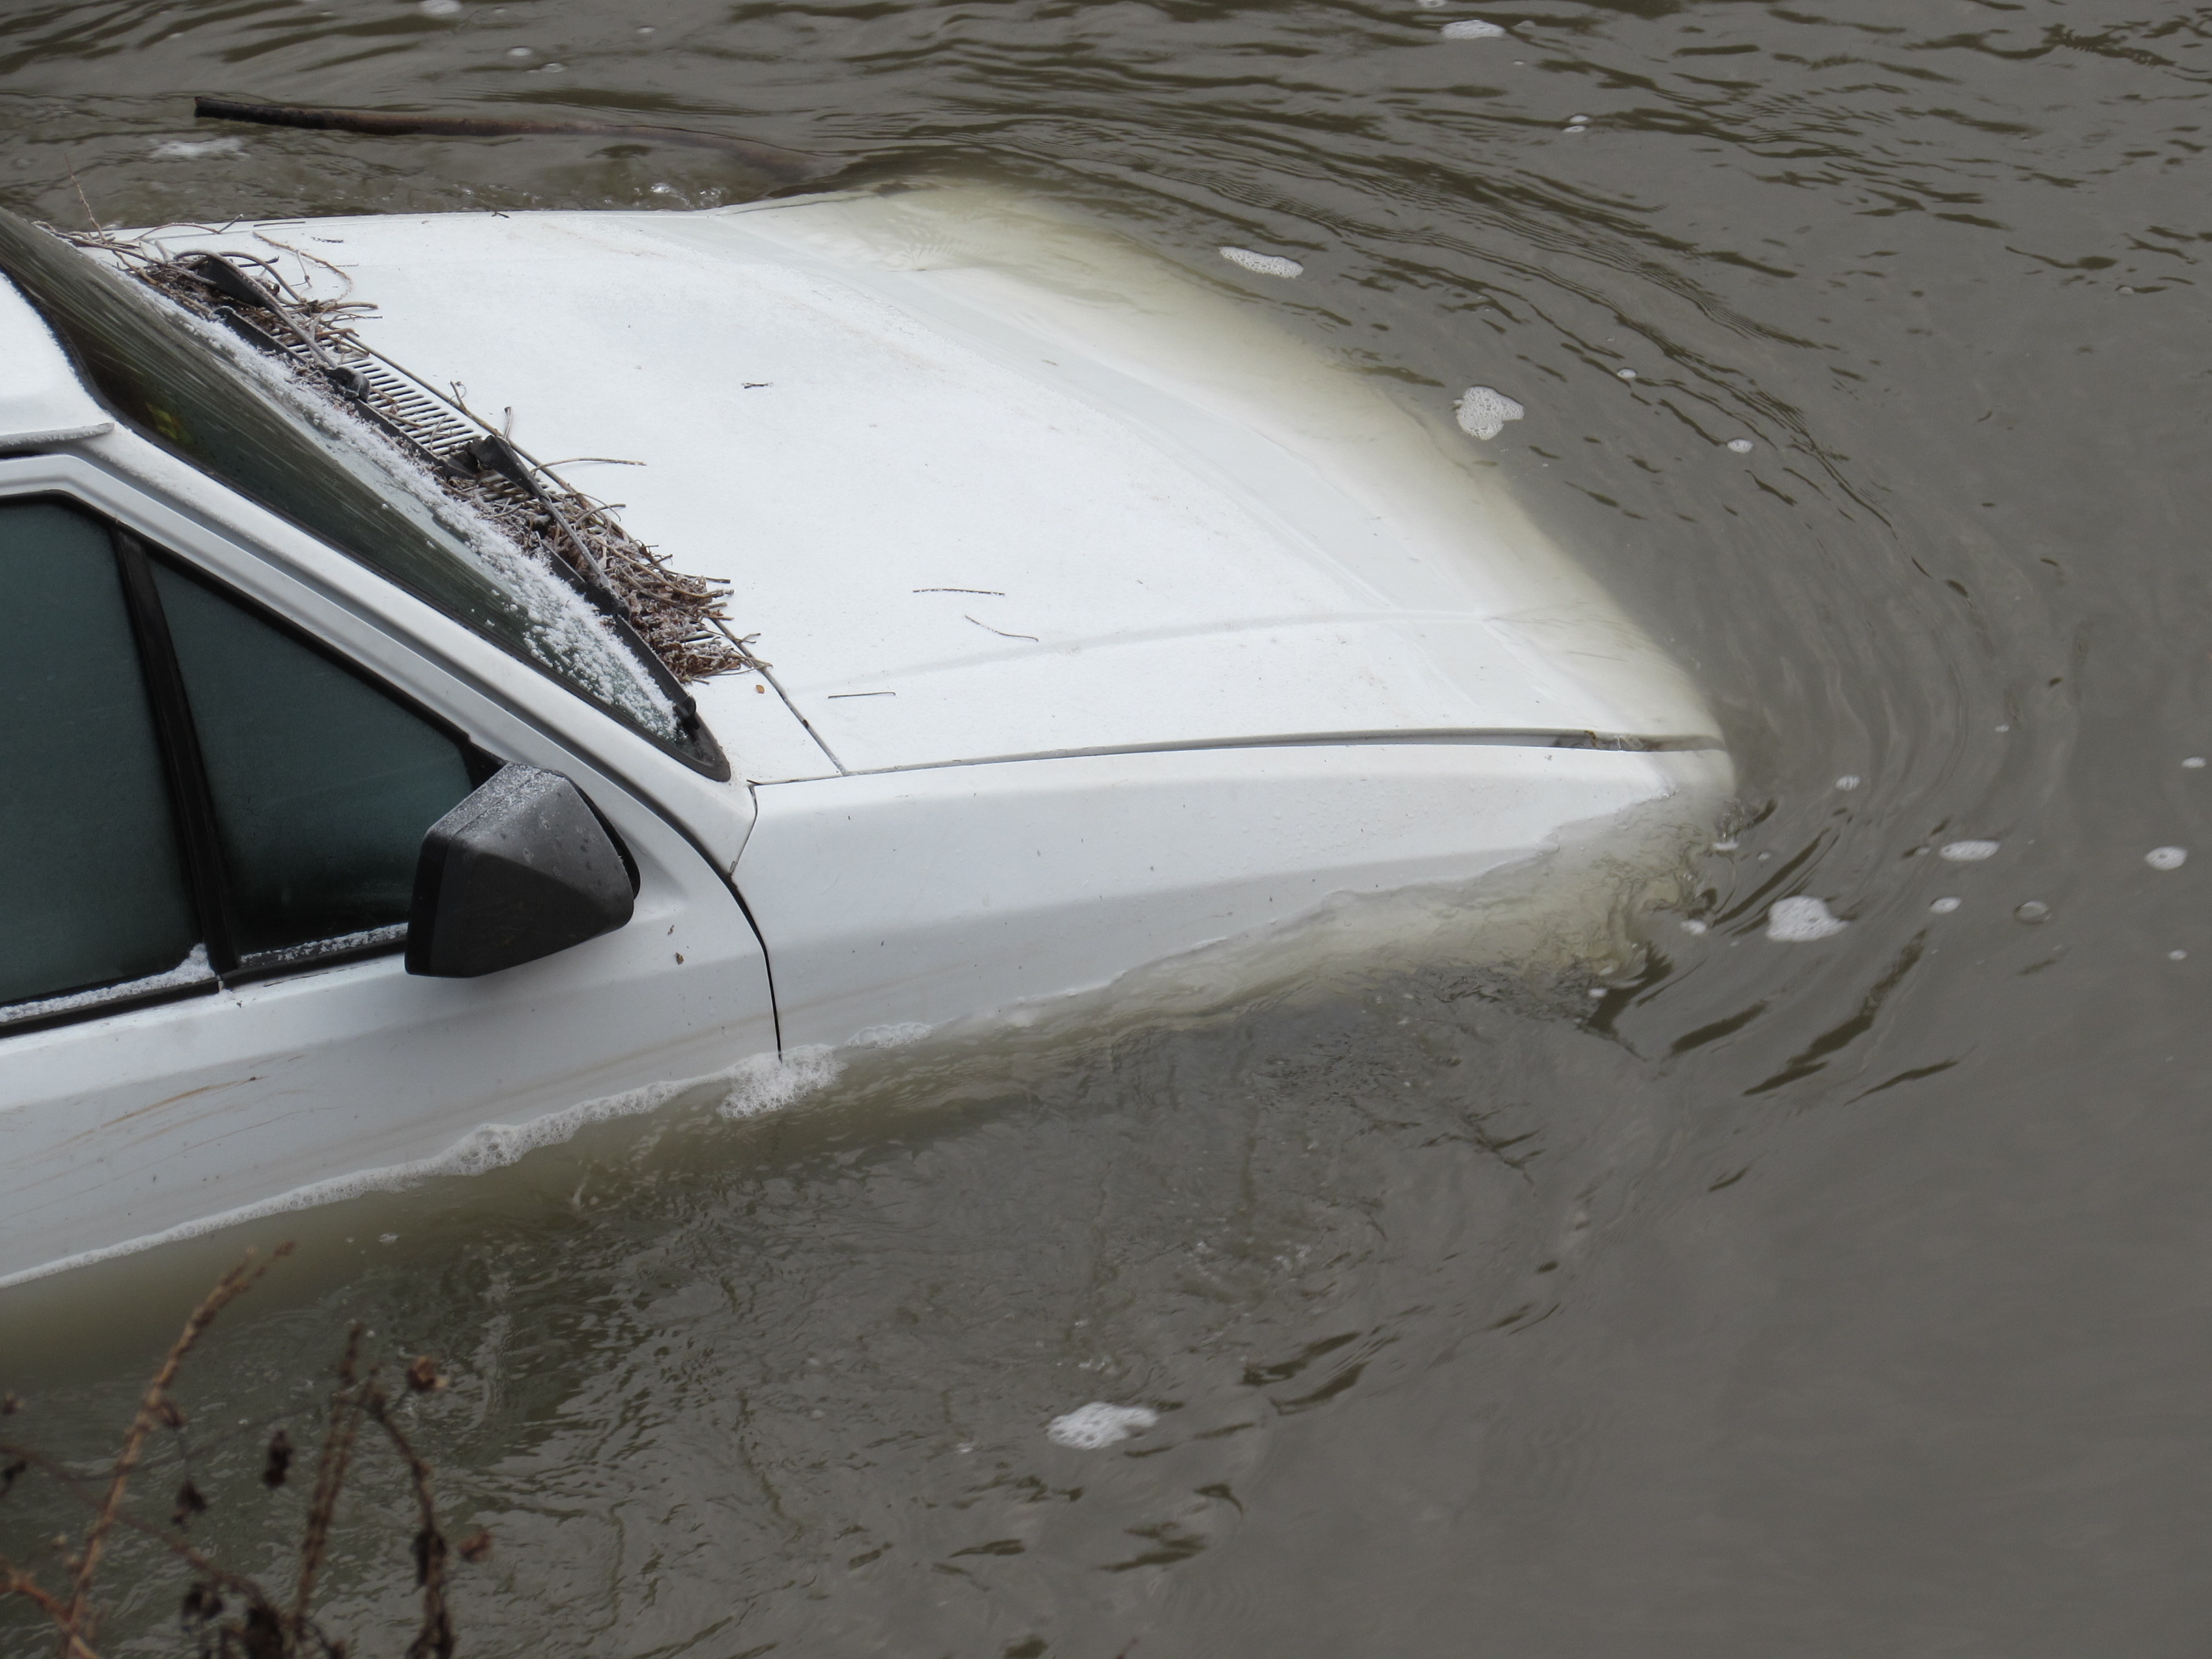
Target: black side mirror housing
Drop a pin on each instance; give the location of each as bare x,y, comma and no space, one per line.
522,868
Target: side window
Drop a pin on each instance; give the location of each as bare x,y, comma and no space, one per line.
321,785
188,791
93,889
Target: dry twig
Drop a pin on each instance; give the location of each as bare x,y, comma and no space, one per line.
681,618
154,1407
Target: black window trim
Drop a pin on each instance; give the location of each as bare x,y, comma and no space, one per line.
191,801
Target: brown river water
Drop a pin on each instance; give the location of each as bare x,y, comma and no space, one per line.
1845,1298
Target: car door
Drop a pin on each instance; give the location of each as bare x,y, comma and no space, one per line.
209,823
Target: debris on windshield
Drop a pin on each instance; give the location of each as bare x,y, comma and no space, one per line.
681,618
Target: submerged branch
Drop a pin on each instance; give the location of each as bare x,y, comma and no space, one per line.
258,1626
154,1407
790,165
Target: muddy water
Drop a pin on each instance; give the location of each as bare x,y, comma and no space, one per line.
1833,1297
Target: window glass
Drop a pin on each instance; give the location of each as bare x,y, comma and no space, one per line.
92,886
322,785
197,391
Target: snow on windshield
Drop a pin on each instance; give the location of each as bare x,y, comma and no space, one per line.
561,626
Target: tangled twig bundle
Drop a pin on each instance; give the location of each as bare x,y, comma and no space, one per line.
682,619
229,1614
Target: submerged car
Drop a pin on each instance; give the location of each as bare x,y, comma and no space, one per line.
990,610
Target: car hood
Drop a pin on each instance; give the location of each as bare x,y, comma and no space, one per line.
987,484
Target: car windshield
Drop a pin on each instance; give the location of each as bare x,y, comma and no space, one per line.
236,414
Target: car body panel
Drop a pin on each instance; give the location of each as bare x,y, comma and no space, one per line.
41,400
958,534
120,1128
1104,622
913,898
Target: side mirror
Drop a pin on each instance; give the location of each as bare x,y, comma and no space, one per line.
522,868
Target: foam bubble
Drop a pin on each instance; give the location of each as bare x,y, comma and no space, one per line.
1801,921
2034,911
1967,852
440,8
1626,373
2195,763
196,149
1693,927
1728,846
1741,446
767,1081
1943,906
2177,956
1483,412
519,51
890,1037
1098,1425
1263,264
2167,858
1472,29
1849,780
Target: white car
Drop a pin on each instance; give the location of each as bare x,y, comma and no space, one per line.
1079,618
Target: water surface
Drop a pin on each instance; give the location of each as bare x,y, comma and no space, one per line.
1826,1298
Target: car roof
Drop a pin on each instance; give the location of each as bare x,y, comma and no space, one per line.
41,399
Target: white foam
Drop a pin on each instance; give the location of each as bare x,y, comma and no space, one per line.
758,1083
1626,373
2167,858
1801,921
1741,446
1472,29
1967,852
196,149
765,1081
1943,906
890,1037
1849,780
2195,763
2177,956
1483,412
1098,1425
1263,264
2034,911
440,8
1693,927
